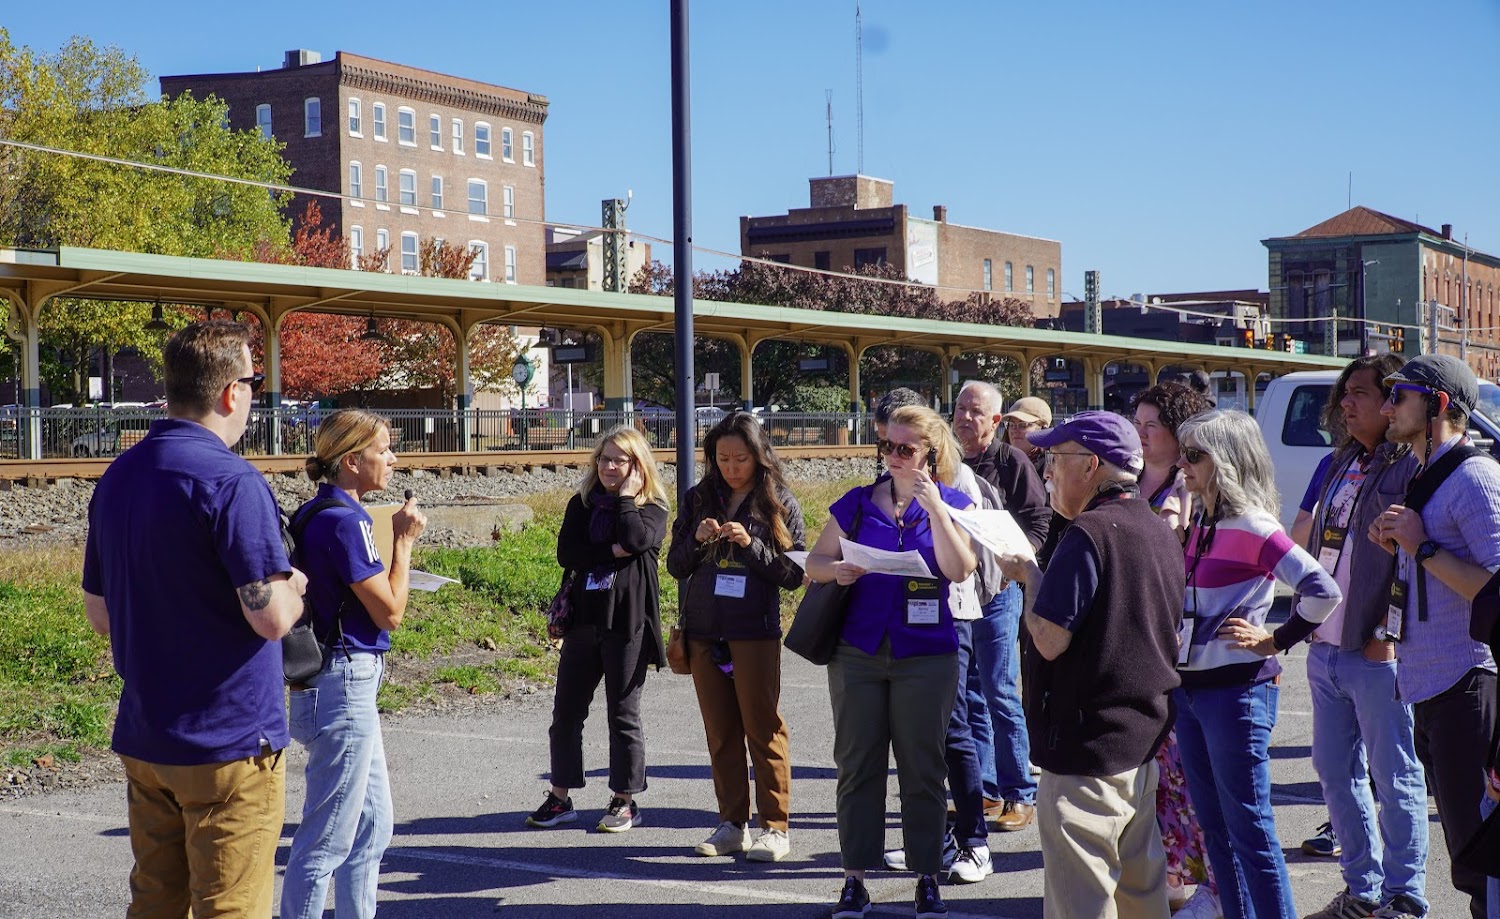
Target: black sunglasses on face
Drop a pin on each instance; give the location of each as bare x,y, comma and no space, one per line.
905,451
255,381
1194,455
1399,391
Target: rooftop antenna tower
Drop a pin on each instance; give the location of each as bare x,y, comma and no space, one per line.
859,89
828,96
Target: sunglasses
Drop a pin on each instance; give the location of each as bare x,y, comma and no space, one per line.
905,451
255,381
1399,391
1194,455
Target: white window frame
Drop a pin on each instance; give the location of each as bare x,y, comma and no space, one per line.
482,149
356,245
508,203
263,120
312,108
508,145
1030,279
377,116
356,118
989,275
415,264
528,148
1010,277
435,131
458,137
437,193
483,199
382,187
356,183
510,264
402,113
406,195
1051,283
480,269
383,241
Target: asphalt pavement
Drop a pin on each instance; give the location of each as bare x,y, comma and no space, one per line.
463,785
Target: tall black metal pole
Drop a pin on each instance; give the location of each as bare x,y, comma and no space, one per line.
682,249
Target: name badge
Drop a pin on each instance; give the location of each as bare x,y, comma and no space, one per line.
1333,546
729,585
1185,639
1395,612
599,580
922,601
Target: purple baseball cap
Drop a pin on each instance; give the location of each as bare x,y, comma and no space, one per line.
1111,437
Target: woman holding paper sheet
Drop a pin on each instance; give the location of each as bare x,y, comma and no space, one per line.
894,676
729,543
355,602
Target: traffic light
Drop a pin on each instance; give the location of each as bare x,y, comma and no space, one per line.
1398,339
1287,344
1270,343
1247,338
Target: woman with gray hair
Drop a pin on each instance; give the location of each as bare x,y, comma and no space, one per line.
1226,706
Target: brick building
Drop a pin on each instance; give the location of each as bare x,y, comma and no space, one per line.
853,221
417,154
575,258
1363,263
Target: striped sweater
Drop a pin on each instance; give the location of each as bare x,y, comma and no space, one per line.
1235,575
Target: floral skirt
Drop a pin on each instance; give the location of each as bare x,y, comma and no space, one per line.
1181,837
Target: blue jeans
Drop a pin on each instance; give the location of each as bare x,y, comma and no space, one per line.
347,820
1356,714
995,714
1231,791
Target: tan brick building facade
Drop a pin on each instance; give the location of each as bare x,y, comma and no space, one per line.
416,154
853,221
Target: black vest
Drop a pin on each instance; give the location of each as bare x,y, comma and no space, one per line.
1104,706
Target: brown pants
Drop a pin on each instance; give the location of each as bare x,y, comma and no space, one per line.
205,837
745,712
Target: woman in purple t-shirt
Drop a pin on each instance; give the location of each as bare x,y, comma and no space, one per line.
356,602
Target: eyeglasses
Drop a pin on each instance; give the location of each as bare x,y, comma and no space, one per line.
1399,391
1020,425
612,461
1050,454
905,451
1194,455
254,381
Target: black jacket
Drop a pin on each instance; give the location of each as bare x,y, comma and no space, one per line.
634,600
710,616
1021,489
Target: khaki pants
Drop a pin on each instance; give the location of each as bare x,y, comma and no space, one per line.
740,713
1101,850
205,837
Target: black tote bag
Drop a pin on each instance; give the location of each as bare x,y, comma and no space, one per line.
815,629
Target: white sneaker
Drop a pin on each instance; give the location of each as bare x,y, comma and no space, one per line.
769,846
726,840
1203,904
972,865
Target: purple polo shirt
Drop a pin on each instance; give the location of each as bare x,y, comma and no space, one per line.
177,523
338,549
877,602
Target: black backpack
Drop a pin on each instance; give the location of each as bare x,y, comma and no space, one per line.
303,653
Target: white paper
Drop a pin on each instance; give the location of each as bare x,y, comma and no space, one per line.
884,561
995,530
800,558
421,580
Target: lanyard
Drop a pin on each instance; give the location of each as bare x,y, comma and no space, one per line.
1203,538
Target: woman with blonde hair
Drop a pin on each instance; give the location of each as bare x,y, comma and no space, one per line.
894,675
611,536
355,601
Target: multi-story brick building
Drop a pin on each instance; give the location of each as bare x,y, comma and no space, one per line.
1365,264
853,222
416,155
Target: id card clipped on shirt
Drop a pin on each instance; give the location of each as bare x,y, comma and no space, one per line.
922,601
1395,612
730,580
1185,638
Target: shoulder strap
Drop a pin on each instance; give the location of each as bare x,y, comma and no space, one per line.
1425,484
859,514
296,529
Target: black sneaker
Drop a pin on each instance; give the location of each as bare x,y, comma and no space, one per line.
553,811
853,903
1323,844
620,816
930,903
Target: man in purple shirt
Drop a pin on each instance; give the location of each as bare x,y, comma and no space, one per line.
185,571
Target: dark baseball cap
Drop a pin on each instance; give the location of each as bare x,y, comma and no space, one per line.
1113,438
1441,373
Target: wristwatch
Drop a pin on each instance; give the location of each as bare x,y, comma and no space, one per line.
1426,550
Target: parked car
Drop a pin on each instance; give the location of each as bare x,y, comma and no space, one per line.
112,435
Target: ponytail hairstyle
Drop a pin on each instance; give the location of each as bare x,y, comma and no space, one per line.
345,431
770,477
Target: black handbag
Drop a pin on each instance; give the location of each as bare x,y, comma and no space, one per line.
815,629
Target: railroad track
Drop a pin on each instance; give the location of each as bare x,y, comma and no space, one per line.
39,472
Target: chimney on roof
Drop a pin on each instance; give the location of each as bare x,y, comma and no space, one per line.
300,57
940,213
1447,231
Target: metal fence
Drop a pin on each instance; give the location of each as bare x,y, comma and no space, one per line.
289,431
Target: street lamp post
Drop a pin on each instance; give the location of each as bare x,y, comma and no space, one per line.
1364,306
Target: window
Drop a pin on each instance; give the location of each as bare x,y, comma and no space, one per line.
408,253
437,193
509,202
510,264
435,132
263,120
383,246
380,121
354,118
458,136
356,246
1009,278
528,148
480,270
312,117
1030,280
406,127
508,145
1051,283
783,258
863,257
479,197
989,275
822,261
381,191
407,187
356,183
482,140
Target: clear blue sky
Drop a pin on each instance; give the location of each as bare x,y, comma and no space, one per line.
1158,141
